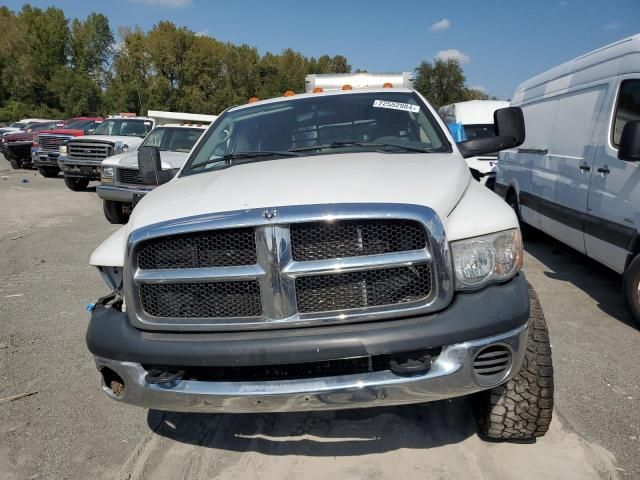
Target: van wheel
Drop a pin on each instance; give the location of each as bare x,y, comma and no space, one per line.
49,172
76,184
522,407
631,281
114,212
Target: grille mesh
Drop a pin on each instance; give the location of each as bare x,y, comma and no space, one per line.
202,300
370,288
89,151
130,176
198,250
51,143
350,238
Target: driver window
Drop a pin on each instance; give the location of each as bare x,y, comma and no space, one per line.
627,109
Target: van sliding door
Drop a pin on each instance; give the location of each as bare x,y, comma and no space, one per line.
614,198
563,181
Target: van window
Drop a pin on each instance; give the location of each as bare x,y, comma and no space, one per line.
627,109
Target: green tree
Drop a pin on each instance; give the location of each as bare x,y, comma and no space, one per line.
441,82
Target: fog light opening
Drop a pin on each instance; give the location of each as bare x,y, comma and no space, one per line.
113,382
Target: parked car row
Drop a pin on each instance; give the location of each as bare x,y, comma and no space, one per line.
94,148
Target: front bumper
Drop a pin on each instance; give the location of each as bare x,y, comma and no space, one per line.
80,168
495,315
120,193
42,158
451,375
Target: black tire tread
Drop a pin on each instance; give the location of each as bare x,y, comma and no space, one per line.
113,212
76,184
49,172
631,279
522,408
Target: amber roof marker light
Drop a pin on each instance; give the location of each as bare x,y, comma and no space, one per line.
289,93
253,100
387,85
318,90
347,87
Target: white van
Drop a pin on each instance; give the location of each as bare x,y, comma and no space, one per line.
475,119
577,176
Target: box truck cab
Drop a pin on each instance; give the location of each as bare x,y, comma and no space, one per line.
577,175
472,120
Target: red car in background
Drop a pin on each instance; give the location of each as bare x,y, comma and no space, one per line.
16,147
46,144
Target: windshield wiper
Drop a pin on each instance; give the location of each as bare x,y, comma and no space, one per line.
356,143
230,158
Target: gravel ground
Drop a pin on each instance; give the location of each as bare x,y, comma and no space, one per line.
68,429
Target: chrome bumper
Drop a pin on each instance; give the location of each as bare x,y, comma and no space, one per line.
451,375
120,193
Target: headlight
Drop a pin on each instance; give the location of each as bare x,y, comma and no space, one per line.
106,175
121,147
480,260
62,149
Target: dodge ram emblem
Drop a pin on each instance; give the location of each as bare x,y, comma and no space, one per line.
270,213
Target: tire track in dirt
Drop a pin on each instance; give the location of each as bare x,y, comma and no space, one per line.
413,442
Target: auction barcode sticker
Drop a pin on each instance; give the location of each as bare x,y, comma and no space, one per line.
406,107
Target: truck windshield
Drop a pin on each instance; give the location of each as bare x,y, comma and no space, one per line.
127,127
78,124
173,139
397,122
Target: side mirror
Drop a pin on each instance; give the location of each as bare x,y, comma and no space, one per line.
629,148
150,167
510,133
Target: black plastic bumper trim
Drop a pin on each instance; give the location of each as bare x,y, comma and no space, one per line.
493,310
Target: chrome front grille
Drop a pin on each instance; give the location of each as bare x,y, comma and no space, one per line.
51,143
222,248
129,176
312,265
82,150
185,300
351,238
369,288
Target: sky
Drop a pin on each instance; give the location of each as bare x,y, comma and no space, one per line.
500,43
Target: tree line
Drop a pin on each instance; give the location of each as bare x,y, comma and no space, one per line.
55,67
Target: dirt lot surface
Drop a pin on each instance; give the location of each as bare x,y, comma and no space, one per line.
67,428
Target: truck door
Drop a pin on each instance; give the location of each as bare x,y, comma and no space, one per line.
562,182
614,197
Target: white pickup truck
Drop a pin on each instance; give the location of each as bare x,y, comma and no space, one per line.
323,251
120,183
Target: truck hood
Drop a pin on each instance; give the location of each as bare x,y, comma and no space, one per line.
434,180
170,160
63,131
18,137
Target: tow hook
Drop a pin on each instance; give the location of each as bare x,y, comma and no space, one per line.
156,376
410,365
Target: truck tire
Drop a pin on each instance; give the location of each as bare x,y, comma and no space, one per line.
16,164
114,212
49,172
521,408
631,282
76,184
